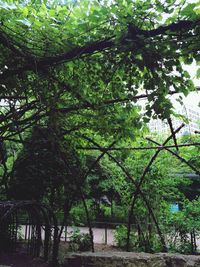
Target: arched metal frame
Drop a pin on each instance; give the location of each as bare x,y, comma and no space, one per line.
40,233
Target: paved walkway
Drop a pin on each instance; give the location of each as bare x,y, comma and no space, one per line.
100,234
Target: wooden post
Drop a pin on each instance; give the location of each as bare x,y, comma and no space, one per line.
106,234
65,233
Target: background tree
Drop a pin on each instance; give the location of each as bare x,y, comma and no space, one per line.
77,69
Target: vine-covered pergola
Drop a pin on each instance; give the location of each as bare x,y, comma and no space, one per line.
80,68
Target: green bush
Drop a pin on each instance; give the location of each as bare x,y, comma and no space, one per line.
120,213
78,214
106,211
120,236
79,241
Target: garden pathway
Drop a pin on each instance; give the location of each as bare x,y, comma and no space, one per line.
99,234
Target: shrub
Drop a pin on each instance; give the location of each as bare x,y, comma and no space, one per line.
78,215
120,236
120,213
79,241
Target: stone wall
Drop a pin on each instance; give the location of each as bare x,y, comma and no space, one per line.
129,259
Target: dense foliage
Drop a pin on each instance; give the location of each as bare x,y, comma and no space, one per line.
71,73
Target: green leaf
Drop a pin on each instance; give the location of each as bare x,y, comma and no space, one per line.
188,11
188,60
198,74
25,11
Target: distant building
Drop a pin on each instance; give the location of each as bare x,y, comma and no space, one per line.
190,112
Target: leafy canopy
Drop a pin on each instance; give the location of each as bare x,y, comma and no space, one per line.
89,59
